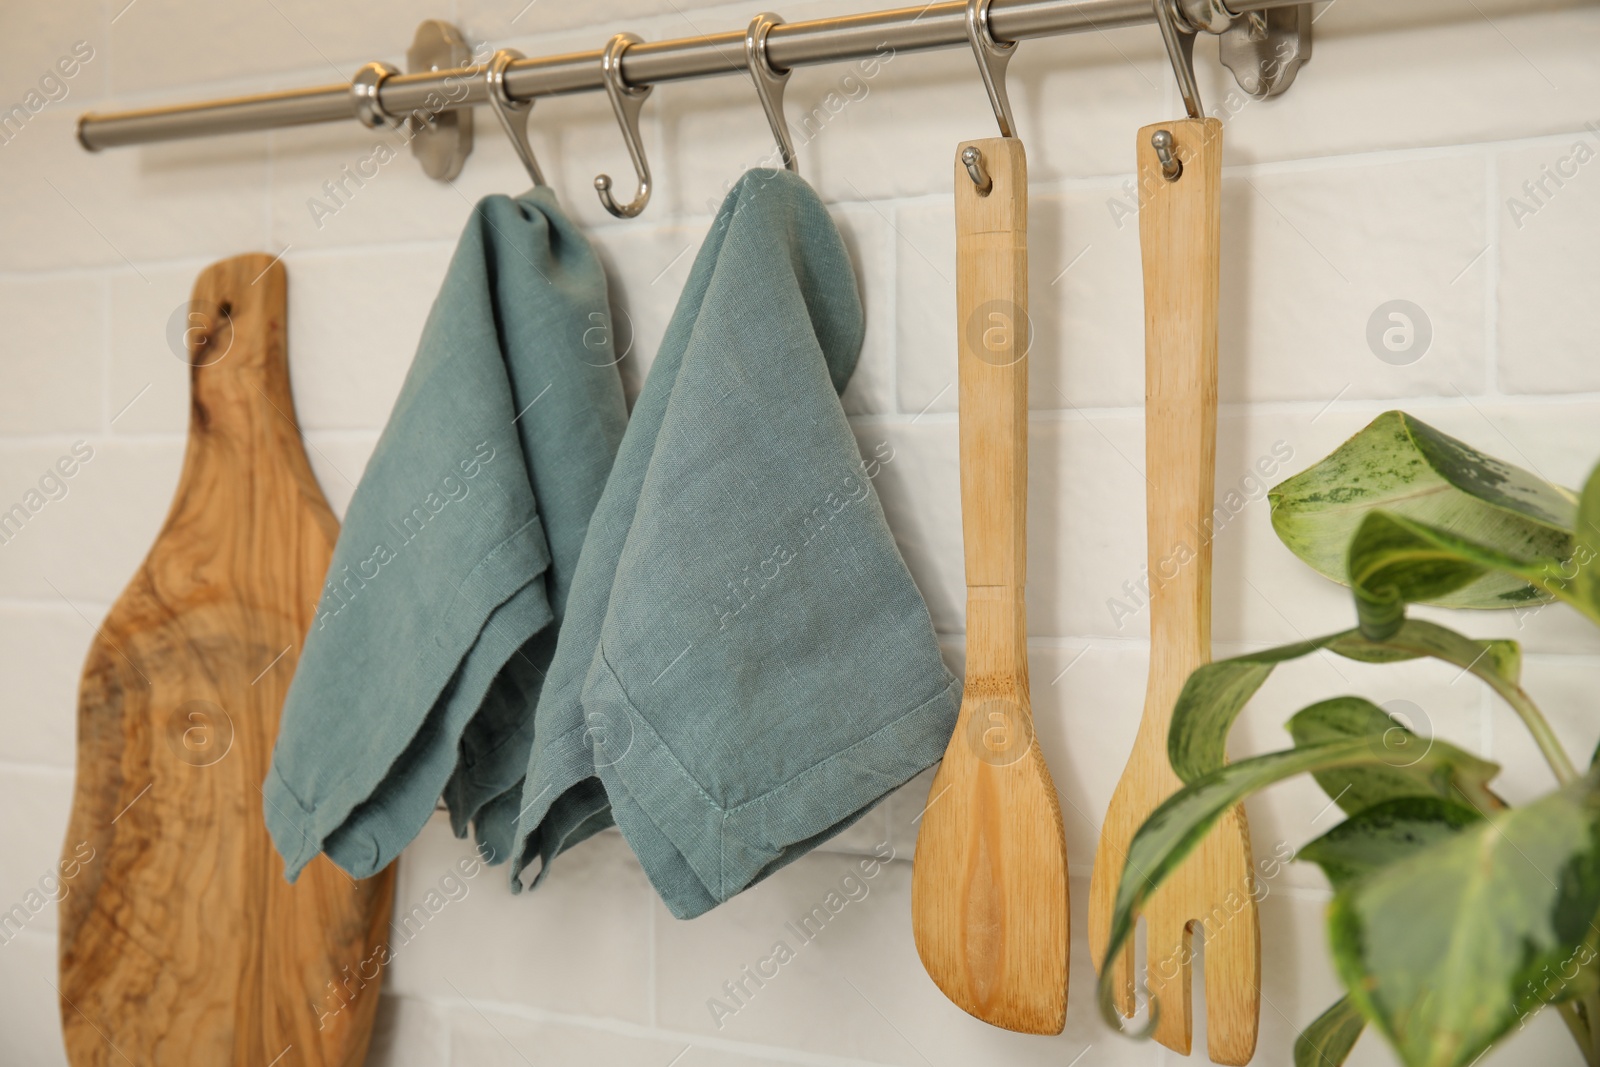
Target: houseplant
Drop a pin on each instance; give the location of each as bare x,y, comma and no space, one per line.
1455,916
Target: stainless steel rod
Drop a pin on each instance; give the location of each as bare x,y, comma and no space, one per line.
794,44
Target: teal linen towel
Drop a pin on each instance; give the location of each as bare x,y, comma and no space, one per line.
438,621
745,666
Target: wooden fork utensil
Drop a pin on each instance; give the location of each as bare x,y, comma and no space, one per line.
1180,237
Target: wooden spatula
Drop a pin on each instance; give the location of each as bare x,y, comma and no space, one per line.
989,889
1180,236
180,941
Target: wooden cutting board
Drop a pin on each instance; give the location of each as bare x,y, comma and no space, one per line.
180,941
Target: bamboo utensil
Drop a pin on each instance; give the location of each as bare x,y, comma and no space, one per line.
989,888
1180,237
180,941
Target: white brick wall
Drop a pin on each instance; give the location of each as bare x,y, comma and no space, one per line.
1385,173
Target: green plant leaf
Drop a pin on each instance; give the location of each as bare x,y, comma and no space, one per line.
1586,579
1179,823
1384,833
1496,661
1214,694
1330,1037
1403,772
1407,468
1449,949
1394,561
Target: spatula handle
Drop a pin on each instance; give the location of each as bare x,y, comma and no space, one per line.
1180,234
989,907
994,333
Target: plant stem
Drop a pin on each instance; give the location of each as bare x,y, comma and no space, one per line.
1556,756
1583,1025
1543,736
1580,1032
1592,1016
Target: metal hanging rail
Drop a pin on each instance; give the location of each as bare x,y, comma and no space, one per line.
794,44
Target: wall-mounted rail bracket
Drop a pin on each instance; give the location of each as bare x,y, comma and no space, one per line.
1266,49
441,142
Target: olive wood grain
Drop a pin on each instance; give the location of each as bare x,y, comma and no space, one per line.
180,941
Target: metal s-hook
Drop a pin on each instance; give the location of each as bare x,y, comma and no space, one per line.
510,111
769,84
1180,50
992,58
626,102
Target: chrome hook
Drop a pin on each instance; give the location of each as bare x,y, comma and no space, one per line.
508,110
1180,50
992,59
626,102
769,84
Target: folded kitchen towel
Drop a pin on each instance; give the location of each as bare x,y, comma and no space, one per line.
745,666
433,634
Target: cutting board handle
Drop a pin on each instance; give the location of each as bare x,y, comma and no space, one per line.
233,334
241,407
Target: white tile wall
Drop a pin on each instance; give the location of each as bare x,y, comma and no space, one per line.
56,327
33,1029
1547,199
594,919
41,657
1394,169
34,801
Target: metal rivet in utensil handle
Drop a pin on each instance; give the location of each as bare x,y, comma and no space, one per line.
974,162
1171,165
